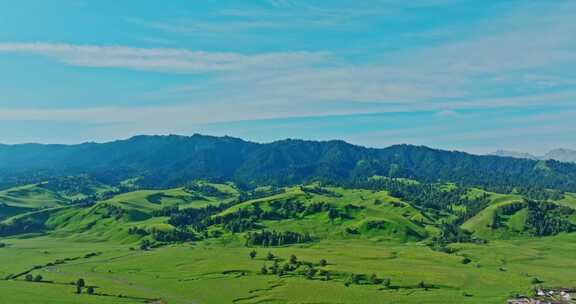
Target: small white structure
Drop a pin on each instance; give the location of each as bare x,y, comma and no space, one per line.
565,296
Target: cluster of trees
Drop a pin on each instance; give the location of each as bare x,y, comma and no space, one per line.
311,271
293,266
528,191
174,235
31,278
81,284
21,225
362,279
165,211
237,225
111,211
275,238
166,236
546,218
205,189
254,194
429,196
540,194
198,219
452,233
319,190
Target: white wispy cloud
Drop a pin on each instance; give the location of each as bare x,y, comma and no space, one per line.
528,59
161,59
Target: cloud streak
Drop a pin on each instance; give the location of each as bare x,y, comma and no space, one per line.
161,59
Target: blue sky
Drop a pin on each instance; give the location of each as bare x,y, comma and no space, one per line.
454,74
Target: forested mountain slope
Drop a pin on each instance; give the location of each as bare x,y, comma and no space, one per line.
162,161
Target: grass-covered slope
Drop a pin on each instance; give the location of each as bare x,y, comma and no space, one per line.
148,246
364,213
31,196
110,219
222,272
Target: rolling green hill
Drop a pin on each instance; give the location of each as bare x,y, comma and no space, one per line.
148,246
171,219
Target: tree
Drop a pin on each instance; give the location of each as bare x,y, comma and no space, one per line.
386,282
310,273
293,259
270,256
80,282
253,254
325,274
79,285
374,279
275,267
28,278
38,278
323,262
422,284
264,270
90,290
332,214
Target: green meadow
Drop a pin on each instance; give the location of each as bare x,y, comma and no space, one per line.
377,250
221,271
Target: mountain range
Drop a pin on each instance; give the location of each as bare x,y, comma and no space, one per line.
563,155
162,161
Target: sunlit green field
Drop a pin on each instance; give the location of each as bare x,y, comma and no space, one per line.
93,244
221,271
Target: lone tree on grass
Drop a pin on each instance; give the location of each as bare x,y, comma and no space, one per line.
386,282
90,290
79,285
28,278
293,259
38,278
323,262
253,254
270,256
264,270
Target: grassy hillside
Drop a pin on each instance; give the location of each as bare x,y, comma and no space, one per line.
482,223
179,245
192,272
111,219
55,192
31,197
371,214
